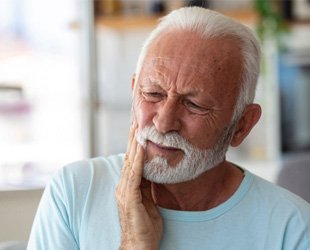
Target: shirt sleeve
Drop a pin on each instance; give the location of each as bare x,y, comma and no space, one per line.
52,228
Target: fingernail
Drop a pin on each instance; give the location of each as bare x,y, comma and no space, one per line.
133,125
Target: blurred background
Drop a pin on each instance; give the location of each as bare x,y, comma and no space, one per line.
65,79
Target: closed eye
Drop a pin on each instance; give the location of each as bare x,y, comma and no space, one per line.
195,108
153,96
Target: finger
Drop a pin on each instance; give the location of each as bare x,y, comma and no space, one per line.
133,151
124,179
127,176
129,159
137,168
134,123
131,136
130,155
126,163
139,160
121,187
125,166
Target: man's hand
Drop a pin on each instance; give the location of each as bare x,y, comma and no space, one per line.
140,220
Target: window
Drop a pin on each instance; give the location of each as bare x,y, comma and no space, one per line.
40,99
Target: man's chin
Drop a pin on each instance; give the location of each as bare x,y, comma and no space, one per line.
171,162
164,180
159,171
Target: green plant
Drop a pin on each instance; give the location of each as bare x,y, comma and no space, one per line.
270,22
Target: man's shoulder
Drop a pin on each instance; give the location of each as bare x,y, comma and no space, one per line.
112,162
284,211
273,195
89,171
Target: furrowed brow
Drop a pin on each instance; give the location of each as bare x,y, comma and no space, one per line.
151,82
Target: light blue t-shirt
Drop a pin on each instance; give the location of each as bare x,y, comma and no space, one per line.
78,211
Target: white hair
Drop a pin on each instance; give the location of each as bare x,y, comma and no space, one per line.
210,24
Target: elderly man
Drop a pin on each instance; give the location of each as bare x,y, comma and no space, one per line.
193,96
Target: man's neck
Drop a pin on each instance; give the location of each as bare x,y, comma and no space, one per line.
209,190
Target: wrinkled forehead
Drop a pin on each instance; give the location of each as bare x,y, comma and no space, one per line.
165,71
157,64
190,49
183,42
186,53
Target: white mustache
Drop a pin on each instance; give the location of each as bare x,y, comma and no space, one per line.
173,139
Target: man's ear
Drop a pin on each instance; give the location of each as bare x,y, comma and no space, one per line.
249,118
133,81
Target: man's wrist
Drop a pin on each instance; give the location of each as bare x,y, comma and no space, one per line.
125,246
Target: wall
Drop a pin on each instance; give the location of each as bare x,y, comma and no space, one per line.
17,211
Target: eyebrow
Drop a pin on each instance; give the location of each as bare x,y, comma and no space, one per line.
162,61
156,82
192,93
150,81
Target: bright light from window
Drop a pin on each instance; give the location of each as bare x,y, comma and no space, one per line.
40,106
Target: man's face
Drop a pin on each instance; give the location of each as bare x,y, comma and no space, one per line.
187,86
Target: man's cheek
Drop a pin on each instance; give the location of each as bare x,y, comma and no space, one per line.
142,115
137,117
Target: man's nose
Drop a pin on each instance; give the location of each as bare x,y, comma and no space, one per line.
168,117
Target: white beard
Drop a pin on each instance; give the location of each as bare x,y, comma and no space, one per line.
194,163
